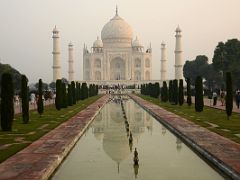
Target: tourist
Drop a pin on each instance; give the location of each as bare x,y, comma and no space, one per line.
238,99
222,97
214,98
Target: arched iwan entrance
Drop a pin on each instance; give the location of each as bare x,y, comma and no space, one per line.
117,69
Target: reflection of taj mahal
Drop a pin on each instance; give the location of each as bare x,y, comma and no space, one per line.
109,128
117,56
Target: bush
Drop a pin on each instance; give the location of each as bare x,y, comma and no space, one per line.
25,102
7,107
199,104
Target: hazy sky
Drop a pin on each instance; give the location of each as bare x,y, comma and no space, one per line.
26,29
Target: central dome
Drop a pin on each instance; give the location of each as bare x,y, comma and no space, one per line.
116,30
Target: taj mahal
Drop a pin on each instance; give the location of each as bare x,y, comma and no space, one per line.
117,57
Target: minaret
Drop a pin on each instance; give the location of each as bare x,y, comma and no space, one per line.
178,55
56,55
70,63
163,62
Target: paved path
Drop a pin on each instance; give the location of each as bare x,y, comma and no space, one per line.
42,157
220,151
208,102
17,106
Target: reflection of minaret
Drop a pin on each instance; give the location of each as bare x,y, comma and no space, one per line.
164,130
56,55
179,144
70,63
178,55
163,62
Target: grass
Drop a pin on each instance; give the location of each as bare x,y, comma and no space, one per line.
213,119
24,134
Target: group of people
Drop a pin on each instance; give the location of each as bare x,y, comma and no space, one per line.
223,96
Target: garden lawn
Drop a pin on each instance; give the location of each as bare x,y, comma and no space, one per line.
24,134
213,119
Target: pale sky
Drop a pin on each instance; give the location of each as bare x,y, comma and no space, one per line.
26,29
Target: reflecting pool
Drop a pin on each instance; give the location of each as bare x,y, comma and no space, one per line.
105,152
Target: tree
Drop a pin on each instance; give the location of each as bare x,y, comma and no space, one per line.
226,58
175,91
164,92
44,86
73,92
52,85
200,67
170,91
16,75
229,95
156,90
58,94
64,101
40,107
84,91
70,97
7,107
25,102
189,97
199,104
181,93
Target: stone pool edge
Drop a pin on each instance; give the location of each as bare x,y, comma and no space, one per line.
193,143
40,159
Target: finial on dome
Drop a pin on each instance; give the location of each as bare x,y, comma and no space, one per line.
116,10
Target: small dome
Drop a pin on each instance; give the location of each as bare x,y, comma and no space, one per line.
136,43
55,30
70,44
178,29
117,29
98,43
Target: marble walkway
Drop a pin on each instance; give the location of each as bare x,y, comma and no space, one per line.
219,151
42,157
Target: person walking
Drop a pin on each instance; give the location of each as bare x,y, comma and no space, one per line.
238,99
222,96
214,98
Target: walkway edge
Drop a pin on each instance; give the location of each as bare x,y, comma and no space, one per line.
209,156
41,158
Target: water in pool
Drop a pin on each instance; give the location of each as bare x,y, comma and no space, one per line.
104,151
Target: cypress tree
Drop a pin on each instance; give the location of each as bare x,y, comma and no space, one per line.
175,91
164,92
40,107
229,95
73,92
181,93
70,97
7,107
96,89
64,101
58,94
199,94
170,91
84,91
156,90
79,91
189,97
25,102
